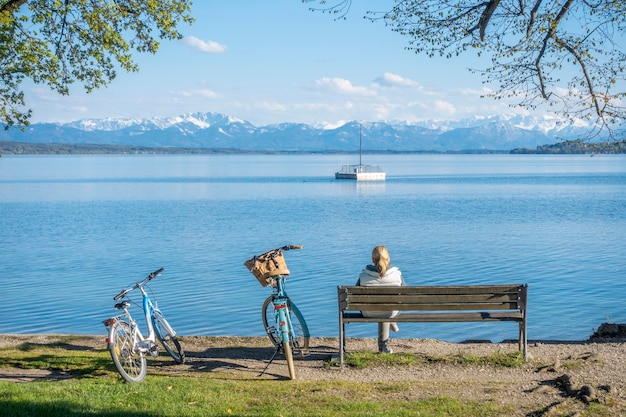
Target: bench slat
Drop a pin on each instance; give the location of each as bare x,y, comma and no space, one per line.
427,298
440,317
447,289
430,306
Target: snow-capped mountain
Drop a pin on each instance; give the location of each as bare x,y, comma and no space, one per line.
219,131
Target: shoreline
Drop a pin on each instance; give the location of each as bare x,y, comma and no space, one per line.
555,376
597,337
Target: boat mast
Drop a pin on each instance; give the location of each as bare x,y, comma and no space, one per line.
360,146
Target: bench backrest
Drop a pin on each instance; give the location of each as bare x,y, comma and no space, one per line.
435,298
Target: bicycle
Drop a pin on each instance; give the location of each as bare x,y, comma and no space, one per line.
283,322
128,346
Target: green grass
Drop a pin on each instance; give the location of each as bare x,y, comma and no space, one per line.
61,357
370,359
187,396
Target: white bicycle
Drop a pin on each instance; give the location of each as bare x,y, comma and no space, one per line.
126,343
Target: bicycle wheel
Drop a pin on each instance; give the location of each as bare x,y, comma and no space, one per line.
169,342
130,362
300,338
289,357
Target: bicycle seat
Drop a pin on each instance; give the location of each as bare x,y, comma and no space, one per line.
122,305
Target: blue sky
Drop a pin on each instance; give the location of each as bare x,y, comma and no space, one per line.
276,61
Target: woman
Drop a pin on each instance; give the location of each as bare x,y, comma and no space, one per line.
381,273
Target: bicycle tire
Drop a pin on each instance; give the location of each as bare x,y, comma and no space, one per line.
289,357
130,362
300,339
170,343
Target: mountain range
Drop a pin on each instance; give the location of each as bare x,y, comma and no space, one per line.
219,131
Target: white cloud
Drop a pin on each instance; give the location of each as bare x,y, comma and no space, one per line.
342,86
389,79
477,93
445,107
45,94
210,47
273,106
203,92
207,93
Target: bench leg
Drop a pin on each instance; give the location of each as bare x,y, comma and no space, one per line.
342,339
523,341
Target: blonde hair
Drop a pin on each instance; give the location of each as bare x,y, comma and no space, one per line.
380,259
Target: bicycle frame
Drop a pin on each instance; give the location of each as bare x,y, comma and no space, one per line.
142,343
280,301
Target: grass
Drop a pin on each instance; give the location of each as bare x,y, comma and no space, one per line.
370,359
97,390
187,396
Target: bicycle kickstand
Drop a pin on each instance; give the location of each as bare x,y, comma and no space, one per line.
270,361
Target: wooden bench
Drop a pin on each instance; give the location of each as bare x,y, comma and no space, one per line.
454,303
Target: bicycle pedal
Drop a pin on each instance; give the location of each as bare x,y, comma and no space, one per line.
154,350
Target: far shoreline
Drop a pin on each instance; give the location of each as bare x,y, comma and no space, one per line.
572,147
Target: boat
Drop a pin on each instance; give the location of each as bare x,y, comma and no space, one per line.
360,172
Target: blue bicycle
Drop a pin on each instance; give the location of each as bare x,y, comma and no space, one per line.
128,346
283,322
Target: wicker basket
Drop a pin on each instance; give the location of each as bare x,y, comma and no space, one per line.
267,265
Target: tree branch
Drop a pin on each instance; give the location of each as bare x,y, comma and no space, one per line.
12,5
550,35
531,19
583,68
486,16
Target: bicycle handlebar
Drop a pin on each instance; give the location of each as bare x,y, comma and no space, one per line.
281,249
154,274
150,277
289,247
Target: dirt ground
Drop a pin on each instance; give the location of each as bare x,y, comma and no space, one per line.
560,378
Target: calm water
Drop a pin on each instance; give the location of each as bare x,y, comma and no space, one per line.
77,229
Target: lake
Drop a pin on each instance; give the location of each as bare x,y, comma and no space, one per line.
78,229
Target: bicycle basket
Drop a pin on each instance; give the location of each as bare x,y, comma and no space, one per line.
267,265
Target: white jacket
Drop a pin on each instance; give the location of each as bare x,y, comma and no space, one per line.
370,277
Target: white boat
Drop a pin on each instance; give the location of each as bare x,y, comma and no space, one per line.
360,172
